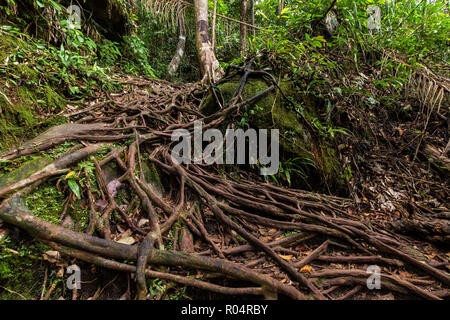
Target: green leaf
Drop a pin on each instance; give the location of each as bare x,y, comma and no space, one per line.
73,185
55,5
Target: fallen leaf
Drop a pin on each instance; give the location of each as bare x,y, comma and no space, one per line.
127,240
142,222
306,269
113,187
286,257
52,256
70,175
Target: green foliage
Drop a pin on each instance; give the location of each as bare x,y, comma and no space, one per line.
136,49
109,52
59,150
20,269
73,185
293,168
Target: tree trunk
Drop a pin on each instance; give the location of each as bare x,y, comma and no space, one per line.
214,25
252,17
209,66
243,26
176,60
279,10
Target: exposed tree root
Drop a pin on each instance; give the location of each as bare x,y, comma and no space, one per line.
236,222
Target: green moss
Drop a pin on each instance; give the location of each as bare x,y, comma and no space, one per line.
331,167
59,150
28,95
21,272
26,169
54,100
46,202
123,196
153,178
80,215
23,120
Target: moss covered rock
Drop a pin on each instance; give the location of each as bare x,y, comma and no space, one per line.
23,96
153,178
23,171
300,149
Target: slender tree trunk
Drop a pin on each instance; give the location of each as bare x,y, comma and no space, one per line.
279,10
252,17
176,60
244,5
209,66
214,25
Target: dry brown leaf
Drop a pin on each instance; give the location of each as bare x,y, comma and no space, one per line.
306,269
127,240
52,256
286,257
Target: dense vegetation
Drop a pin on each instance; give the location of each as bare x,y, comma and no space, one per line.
362,109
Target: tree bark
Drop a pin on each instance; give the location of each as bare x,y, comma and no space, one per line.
214,25
243,27
252,17
176,60
279,10
209,66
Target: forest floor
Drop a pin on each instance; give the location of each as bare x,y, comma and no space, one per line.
159,223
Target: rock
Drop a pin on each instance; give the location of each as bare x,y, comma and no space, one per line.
113,187
67,222
100,205
111,172
24,171
315,155
153,178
